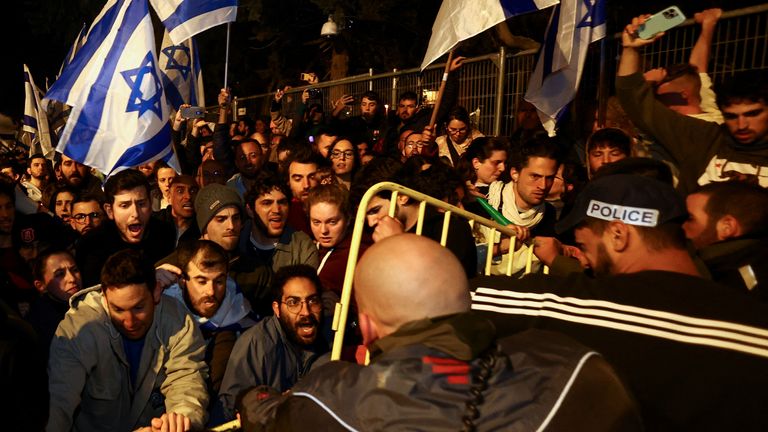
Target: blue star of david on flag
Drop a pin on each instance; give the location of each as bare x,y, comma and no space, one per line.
180,61
135,80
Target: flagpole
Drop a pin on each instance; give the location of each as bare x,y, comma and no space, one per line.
226,57
447,70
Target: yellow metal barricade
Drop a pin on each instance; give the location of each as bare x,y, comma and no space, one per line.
342,308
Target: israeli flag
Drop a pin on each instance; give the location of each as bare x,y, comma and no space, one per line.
186,18
459,20
573,26
119,116
182,76
35,120
79,42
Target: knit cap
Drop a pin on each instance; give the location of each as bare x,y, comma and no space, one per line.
211,199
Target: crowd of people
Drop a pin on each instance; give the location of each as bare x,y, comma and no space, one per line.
165,300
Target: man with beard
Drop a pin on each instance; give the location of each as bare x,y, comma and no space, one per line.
435,366
728,227
692,351
214,301
410,115
281,349
37,172
87,213
130,226
302,171
181,212
248,161
78,176
368,126
267,236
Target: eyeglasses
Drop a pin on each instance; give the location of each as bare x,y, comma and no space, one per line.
454,131
80,217
418,144
293,304
348,154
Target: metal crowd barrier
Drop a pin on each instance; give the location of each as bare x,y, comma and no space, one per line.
496,87
342,307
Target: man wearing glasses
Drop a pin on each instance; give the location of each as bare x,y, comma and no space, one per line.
86,213
281,349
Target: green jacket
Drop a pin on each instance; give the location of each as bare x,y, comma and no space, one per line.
89,376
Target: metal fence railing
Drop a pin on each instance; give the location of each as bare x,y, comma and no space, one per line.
342,307
494,89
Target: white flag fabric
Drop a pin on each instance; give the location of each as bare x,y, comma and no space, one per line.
119,116
35,121
186,18
79,42
459,20
573,26
182,76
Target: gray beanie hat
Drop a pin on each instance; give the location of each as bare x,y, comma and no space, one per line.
213,198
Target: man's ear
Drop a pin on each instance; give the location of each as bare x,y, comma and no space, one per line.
618,235
402,200
368,329
108,211
276,308
40,286
728,227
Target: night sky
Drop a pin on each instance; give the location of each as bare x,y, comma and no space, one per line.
42,31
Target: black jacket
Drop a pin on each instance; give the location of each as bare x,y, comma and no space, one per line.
96,246
425,377
693,352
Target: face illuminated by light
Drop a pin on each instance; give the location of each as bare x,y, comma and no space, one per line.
328,224
407,108
164,177
271,209
61,277
74,173
534,181
204,288
131,309
301,325
747,122
131,212
489,170
224,228
302,178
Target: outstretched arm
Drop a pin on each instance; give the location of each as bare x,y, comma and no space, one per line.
630,42
700,52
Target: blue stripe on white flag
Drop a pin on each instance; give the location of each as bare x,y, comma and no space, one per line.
88,121
555,80
186,18
189,9
145,151
62,86
518,7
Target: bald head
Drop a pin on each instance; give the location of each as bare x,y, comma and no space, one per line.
406,278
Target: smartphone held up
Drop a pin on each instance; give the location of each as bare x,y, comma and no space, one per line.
660,22
192,112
